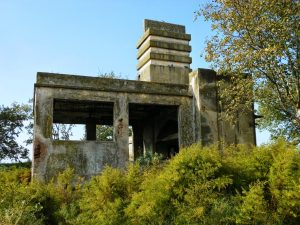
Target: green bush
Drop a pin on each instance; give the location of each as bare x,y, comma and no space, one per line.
61,197
18,200
184,192
200,185
150,159
239,185
106,196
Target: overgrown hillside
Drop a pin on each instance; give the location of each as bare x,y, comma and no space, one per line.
200,185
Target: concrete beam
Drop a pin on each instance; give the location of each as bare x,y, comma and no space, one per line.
53,80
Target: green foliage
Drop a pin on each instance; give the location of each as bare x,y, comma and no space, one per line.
184,192
11,124
62,131
106,196
253,207
25,203
63,193
16,165
150,159
200,185
19,201
104,132
258,38
110,75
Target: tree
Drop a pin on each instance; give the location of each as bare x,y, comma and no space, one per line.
260,38
62,131
11,124
104,132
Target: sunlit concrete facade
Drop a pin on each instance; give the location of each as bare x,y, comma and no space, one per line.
167,108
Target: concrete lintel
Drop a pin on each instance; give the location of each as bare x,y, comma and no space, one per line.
53,80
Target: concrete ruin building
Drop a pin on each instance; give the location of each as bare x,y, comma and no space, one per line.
168,107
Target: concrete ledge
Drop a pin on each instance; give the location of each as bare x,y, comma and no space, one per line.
163,45
164,57
163,26
53,80
163,33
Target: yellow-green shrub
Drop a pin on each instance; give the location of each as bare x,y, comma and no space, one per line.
183,192
200,185
18,200
107,195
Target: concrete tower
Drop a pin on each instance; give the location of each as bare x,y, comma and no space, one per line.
164,53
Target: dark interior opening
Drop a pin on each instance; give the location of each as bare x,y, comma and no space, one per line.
93,114
154,128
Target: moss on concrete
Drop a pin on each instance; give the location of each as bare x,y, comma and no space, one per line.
71,157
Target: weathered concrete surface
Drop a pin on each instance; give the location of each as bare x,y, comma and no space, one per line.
163,53
203,84
160,73
68,81
170,107
89,157
160,44
210,126
162,33
163,26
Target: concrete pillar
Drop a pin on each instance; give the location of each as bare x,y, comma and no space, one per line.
43,118
137,140
148,137
186,135
203,83
121,129
90,130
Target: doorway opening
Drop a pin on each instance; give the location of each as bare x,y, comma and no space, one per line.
154,129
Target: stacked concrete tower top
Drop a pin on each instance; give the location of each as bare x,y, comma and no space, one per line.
164,53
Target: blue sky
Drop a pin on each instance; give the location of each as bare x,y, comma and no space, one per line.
84,37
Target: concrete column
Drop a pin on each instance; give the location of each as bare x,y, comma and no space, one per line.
137,140
121,129
43,119
203,82
148,138
186,135
90,130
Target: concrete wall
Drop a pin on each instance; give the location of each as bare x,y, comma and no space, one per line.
89,157
210,125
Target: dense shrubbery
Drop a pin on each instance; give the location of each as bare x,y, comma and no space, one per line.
200,185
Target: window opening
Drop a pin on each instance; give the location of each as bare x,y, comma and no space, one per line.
82,120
